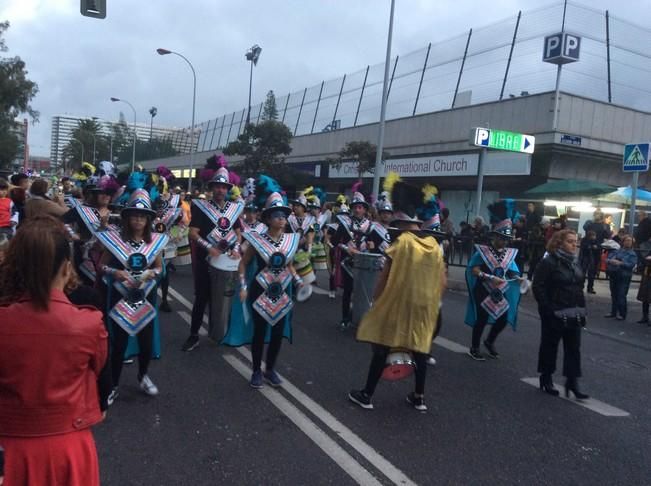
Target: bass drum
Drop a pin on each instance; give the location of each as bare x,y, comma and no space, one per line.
303,267
399,365
319,259
179,234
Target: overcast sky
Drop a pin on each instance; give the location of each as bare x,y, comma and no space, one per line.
79,63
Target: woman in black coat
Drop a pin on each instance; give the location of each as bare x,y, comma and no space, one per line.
558,289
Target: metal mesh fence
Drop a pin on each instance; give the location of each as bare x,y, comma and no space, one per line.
486,64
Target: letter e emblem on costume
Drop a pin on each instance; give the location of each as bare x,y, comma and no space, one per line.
137,262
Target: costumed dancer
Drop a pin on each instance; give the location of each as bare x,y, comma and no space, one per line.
169,215
340,210
350,238
251,219
302,223
266,273
132,266
493,283
407,298
315,198
215,231
83,221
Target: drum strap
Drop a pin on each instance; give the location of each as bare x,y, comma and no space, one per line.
90,217
231,210
302,226
169,216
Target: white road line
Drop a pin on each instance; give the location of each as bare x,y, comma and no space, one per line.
450,345
318,290
188,319
180,298
591,403
353,468
370,454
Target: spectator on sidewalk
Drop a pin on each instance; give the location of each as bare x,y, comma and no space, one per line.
619,237
589,257
620,271
644,292
8,214
39,204
479,230
643,230
447,225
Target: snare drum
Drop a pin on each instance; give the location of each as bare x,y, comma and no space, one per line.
170,251
399,365
319,260
303,267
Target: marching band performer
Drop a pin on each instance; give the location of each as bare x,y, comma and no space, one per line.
215,230
267,270
340,210
407,297
493,282
250,221
350,238
315,197
132,266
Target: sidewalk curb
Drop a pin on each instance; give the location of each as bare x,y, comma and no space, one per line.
460,287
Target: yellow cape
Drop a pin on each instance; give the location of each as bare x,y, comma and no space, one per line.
406,313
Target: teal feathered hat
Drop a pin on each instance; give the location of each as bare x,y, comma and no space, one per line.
270,196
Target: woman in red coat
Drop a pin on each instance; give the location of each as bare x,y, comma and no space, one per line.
51,353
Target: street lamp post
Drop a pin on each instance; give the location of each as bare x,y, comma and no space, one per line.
133,155
253,54
164,52
152,111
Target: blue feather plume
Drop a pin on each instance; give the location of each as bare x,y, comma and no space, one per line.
264,186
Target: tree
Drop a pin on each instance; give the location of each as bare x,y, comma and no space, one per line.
263,147
16,94
269,111
363,153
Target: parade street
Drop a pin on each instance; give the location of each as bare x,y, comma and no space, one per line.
486,423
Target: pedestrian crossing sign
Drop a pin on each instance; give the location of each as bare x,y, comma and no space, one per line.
636,157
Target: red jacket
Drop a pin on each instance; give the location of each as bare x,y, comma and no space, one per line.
49,363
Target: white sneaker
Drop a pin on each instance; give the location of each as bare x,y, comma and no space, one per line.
331,294
148,386
112,396
431,361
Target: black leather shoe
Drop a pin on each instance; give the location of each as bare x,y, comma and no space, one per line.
610,315
644,320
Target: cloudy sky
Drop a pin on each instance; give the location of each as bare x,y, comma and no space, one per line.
79,63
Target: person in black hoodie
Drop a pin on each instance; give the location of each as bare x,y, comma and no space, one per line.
558,289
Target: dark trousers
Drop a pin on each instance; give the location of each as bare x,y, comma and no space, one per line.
346,314
482,319
645,310
257,345
201,295
618,291
120,341
551,332
165,284
378,363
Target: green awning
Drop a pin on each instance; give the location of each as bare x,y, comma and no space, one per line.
570,188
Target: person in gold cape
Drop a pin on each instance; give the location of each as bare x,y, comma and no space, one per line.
407,296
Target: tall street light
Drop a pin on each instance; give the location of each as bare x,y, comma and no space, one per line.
164,52
82,149
383,109
133,155
252,55
153,111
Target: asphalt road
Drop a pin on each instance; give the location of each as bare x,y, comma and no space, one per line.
484,424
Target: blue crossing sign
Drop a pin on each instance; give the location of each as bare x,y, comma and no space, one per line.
636,157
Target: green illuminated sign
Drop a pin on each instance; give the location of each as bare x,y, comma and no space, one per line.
502,140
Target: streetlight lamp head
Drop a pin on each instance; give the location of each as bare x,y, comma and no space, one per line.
114,99
253,54
162,51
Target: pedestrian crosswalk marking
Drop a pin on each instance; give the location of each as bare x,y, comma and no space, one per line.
591,403
188,319
450,345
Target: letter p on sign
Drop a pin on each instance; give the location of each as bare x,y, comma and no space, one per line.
561,48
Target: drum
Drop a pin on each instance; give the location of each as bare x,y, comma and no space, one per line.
222,289
170,251
319,260
179,234
303,267
224,262
399,365
366,269
304,293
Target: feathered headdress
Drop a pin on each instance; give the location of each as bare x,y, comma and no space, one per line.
165,173
315,196
84,173
213,163
270,196
108,185
502,213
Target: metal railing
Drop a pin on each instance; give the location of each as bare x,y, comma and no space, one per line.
485,64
